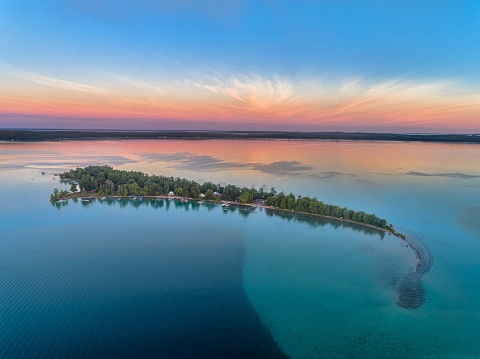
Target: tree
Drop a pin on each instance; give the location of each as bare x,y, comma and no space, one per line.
246,196
195,191
55,196
262,191
134,189
87,183
225,194
209,194
114,176
73,188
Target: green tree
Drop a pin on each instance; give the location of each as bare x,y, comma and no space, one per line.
73,188
87,183
195,191
55,196
209,194
134,189
246,196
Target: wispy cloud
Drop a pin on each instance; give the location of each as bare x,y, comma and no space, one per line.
251,92
230,97
48,81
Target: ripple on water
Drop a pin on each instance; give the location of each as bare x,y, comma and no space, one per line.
128,282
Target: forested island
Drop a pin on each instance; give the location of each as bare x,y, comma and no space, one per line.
100,181
59,135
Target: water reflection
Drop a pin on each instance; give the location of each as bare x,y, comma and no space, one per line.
314,222
411,292
155,203
59,204
469,218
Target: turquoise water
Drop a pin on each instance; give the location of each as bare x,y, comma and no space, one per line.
164,278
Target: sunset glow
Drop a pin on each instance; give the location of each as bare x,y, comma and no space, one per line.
140,71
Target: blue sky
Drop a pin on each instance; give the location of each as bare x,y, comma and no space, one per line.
157,42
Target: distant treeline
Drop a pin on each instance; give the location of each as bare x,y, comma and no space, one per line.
106,181
55,135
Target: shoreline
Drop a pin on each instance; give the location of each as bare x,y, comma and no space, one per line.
29,135
420,264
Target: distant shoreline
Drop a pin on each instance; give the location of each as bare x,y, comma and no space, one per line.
87,135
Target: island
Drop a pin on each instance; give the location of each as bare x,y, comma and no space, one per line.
105,181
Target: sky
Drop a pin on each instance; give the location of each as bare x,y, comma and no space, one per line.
326,65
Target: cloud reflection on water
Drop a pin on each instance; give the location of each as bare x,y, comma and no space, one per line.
63,161
207,163
469,218
186,160
457,175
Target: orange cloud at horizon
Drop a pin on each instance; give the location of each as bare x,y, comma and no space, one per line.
246,100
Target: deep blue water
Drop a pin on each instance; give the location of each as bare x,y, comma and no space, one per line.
121,281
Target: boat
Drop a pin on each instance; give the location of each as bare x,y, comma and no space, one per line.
200,202
85,200
103,198
225,205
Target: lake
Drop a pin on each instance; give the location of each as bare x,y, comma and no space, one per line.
159,278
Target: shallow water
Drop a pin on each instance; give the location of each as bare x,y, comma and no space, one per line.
122,279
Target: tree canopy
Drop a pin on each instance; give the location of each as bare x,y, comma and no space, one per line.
105,180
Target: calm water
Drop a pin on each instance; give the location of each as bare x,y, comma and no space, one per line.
168,279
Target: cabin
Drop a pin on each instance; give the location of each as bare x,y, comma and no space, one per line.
201,195
171,193
216,195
